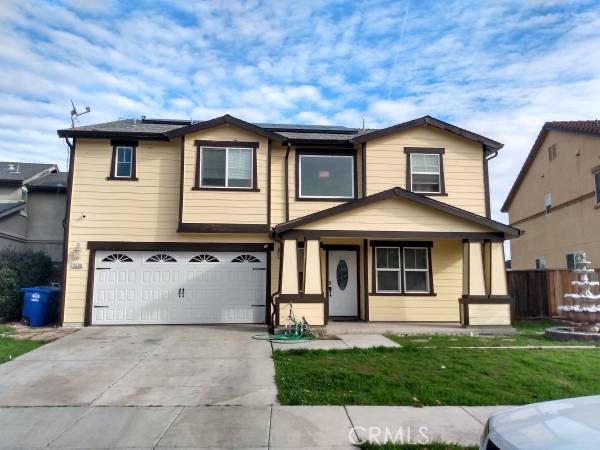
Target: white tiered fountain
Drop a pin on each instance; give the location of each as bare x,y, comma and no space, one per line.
582,311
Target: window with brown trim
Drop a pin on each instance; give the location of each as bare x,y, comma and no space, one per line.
226,166
402,268
322,175
425,170
123,162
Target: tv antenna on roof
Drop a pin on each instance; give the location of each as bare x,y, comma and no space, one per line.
75,115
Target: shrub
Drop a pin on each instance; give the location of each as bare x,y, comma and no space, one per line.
10,297
20,269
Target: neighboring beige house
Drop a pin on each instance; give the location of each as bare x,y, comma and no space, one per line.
32,207
225,221
555,199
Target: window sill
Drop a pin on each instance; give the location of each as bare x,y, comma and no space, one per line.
402,294
432,194
325,199
122,178
225,189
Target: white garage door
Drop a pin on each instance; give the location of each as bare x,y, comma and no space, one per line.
179,287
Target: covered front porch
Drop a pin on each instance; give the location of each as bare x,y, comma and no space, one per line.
384,260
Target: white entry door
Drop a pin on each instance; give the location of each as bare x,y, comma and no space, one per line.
163,287
343,283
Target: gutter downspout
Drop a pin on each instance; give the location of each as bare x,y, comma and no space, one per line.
486,159
286,177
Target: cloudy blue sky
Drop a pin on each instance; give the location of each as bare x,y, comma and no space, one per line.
500,70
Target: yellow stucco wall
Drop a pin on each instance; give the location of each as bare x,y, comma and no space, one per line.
463,165
447,267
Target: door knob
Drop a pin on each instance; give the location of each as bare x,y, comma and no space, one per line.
330,288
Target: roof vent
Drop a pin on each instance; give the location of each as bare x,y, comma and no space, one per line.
12,168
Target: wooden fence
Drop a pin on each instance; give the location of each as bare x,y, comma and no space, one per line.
539,293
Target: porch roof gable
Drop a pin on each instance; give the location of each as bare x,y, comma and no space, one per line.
398,193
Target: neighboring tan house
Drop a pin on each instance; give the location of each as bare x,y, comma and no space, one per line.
207,222
555,199
32,207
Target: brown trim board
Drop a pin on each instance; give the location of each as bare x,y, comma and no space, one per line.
224,120
398,192
89,293
180,246
181,183
430,121
66,226
369,234
223,228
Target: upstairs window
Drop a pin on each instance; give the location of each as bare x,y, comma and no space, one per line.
425,171
540,263
123,161
226,168
325,177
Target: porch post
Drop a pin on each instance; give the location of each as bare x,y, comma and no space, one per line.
289,267
312,268
474,267
498,283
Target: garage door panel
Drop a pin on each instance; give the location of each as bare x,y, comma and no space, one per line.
179,287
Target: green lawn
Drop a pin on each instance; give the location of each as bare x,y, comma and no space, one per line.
433,446
10,348
435,376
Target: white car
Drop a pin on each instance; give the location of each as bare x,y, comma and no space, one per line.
570,424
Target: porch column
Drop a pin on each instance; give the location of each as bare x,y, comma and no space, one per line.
473,272
289,267
498,283
312,268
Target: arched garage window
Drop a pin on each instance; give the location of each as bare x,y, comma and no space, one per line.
204,258
161,258
117,257
245,258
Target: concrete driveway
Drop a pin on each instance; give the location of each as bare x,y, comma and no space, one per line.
144,366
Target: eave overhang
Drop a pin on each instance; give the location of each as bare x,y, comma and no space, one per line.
398,192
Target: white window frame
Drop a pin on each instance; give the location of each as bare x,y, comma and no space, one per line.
123,147
398,270
439,173
540,263
426,270
301,156
226,149
596,190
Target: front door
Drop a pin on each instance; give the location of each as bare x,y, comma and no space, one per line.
343,283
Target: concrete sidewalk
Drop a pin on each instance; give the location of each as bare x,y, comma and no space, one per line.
234,427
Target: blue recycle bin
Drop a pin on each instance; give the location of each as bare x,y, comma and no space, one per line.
40,306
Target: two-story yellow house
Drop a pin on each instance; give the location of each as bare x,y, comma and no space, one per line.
225,221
